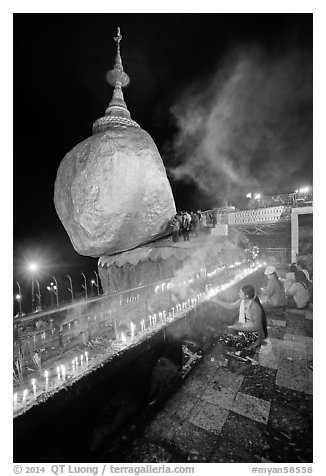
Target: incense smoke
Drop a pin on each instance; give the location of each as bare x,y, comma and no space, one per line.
247,128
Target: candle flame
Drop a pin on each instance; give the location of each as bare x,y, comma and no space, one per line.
132,329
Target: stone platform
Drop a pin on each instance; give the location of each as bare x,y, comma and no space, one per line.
248,411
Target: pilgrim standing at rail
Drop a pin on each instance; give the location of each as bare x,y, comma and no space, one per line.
194,223
186,220
179,218
175,229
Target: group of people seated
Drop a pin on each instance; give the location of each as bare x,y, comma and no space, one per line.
292,292
251,327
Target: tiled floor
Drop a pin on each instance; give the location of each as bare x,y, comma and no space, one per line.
246,412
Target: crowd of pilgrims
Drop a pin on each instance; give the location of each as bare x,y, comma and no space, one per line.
183,222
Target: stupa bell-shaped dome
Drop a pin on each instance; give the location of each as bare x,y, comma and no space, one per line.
111,190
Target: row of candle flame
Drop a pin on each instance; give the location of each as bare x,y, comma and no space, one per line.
163,317
82,361
171,284
159,287
188,304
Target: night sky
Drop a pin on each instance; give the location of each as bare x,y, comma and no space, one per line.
227,98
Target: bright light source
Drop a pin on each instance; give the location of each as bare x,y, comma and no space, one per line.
248,195
52,284
48,288
18,297
304,190
257,196
92,282
32,267
296,191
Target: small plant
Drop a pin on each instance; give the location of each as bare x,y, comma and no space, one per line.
18,370
37,362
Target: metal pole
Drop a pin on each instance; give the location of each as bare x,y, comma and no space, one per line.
294,236
71,290
97,283
57,290
51,291
38,295
85,286
20,299
33,294
20,305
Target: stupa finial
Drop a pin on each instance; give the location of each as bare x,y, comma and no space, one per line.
117,74
118,38
117,113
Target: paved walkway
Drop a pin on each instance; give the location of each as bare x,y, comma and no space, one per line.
245,412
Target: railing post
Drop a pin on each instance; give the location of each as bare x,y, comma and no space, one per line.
89,329
61,337
294,236
15,331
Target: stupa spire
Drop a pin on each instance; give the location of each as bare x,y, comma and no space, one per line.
117,75
117,113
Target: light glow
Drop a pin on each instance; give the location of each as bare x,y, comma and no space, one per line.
33,382
132,330
63,372
25,395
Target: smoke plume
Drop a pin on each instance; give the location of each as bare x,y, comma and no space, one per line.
247,128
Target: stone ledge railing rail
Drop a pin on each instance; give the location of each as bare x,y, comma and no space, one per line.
109,314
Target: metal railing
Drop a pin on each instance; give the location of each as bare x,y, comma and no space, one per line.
79,323
295,199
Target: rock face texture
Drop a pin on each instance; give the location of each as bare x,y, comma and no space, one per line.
111,191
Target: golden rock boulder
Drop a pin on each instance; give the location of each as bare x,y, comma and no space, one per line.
112,193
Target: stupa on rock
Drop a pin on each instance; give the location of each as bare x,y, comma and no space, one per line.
111,190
